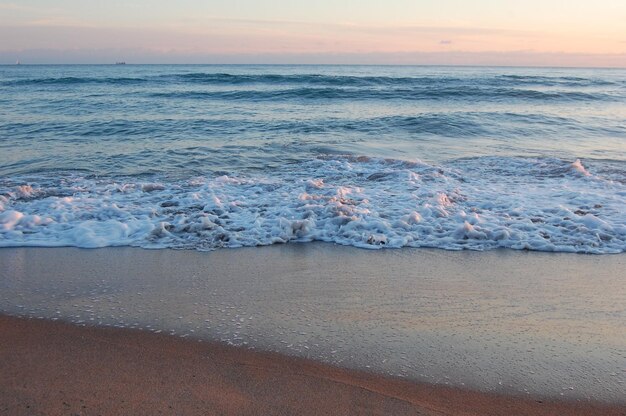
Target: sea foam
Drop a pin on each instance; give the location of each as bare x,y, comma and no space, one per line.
476,203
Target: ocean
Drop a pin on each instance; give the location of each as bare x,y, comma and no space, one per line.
204,157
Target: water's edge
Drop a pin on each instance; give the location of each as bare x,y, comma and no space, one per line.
546,324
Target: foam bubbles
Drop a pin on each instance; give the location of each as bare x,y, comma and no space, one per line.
479,204
10,219
578,167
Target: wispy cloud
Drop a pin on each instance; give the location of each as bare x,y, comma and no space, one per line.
13,6
30,10
200,21
215,35
60,22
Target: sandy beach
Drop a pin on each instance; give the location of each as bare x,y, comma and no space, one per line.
266,208
52,368
310,329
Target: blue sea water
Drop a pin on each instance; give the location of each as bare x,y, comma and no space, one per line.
204,157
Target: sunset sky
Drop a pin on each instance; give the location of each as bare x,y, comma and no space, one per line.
481,32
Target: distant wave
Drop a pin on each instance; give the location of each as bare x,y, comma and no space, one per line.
325,80
262,87
74,81
554,81
418,93
453,124
364,81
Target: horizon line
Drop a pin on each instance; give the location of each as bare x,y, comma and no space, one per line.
311,64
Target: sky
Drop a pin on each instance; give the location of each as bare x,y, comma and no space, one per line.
467,32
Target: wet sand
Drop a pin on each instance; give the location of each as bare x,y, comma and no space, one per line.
536,326
53,368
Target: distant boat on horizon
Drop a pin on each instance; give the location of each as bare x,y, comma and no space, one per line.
18,62
120,63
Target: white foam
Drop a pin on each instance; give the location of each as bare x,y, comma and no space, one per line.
578,167
10,219
479,204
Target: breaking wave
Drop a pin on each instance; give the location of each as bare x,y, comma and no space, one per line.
484,203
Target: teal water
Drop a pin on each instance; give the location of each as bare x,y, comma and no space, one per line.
205,157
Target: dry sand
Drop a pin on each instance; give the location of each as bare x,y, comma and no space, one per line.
52,368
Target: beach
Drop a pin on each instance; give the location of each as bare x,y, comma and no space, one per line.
312,239
55,368
405,331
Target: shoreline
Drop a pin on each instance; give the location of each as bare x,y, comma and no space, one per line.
60,368
540,325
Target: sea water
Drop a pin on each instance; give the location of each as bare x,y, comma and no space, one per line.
204,157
